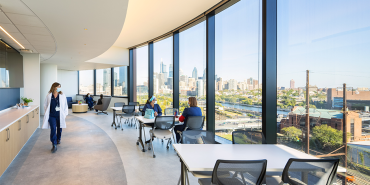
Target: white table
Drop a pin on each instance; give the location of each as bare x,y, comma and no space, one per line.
198,157
142,121
119,109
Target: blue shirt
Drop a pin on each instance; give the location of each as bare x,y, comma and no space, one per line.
156,108
54,103
192,111
88,99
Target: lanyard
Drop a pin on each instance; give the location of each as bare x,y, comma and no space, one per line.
57,100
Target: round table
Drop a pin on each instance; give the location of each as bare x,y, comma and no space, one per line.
79,107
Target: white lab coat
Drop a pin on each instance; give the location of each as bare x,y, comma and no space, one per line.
63,111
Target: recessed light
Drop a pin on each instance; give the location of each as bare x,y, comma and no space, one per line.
85,29
85,44
12,37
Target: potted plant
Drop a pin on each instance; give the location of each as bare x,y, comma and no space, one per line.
26,100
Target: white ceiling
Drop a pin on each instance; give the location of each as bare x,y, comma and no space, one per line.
58,31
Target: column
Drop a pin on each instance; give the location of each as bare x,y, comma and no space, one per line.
48,77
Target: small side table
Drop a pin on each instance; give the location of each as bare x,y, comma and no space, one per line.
79,108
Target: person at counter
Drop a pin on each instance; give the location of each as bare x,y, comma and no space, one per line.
56,110
89,100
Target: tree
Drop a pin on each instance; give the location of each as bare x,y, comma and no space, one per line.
362,158
327,136
292,132
247,101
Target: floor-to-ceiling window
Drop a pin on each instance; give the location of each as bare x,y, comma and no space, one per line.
86,82
163,72
141,74
238,67
323,45
120,81
192,72
103,81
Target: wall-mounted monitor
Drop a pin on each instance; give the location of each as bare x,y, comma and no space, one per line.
11,67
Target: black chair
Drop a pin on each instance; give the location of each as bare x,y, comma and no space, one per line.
163,126
307,171
141,107
248,137
197,137
128,113
235,172
133,103
193,123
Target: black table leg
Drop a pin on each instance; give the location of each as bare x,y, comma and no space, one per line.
114,119
183,173
140,139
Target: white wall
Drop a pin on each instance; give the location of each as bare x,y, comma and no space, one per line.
31,77
112,101
68,80
47,78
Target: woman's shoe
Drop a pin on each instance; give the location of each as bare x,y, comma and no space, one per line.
54,149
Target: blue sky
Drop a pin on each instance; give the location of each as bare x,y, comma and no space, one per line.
330,38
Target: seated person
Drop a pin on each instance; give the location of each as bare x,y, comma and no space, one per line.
152,104
100,101
193,110
89,100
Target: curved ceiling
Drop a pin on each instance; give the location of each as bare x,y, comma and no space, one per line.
67,33
60,37
148,19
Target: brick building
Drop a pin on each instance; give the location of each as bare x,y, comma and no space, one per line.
356,100
332,118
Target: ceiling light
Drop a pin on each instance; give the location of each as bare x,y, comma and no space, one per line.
11,37
85,29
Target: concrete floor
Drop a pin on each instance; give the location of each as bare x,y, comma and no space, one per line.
93,152
140,167
86,155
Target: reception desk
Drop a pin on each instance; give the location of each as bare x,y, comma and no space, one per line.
16,127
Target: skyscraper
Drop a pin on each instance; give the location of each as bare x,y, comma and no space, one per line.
122,78
292,84
106,79
195,73
199,88
233,84
170,69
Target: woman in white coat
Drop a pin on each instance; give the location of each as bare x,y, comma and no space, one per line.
56,110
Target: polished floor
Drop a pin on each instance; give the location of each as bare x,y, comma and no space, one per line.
93,152
86,155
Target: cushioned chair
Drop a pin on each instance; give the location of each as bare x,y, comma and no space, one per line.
104,106
70,102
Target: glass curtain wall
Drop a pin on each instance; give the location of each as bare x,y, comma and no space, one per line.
323,45
120,81
103,81
86,82
163,72
238,68
142,74
192,72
